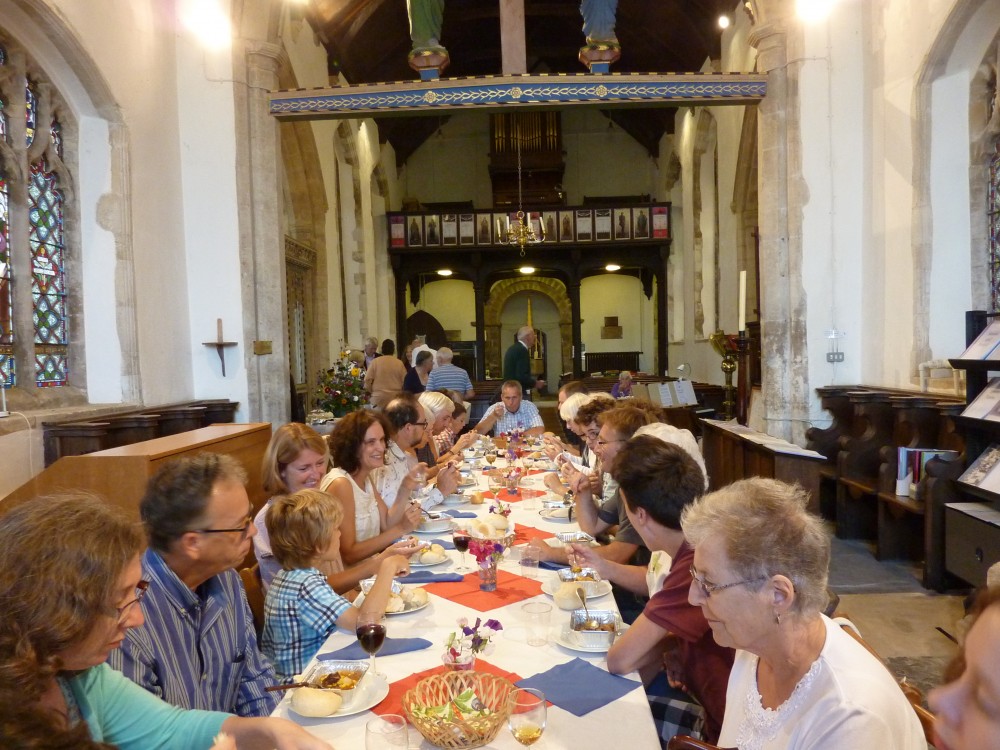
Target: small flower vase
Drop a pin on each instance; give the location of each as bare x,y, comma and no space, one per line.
488,576
511,483
464,663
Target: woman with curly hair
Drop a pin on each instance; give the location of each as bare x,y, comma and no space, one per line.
70,587
358,446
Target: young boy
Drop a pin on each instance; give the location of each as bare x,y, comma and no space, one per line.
301,609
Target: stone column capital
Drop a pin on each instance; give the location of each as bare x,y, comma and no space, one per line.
265,57
770,41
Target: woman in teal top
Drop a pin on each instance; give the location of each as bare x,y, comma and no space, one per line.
69,589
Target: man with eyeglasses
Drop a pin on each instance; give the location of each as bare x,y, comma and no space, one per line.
198,648
407,423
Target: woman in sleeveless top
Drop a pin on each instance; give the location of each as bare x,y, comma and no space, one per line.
358,445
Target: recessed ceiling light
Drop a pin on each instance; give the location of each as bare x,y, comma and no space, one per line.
444,272
724,22
612,267
526,269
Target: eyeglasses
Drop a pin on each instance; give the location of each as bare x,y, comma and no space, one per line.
240,529
419,424
708,588
602,443
140,591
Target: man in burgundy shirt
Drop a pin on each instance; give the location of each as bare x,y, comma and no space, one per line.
658,480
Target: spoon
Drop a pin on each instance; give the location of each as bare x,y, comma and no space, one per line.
288,686
591,623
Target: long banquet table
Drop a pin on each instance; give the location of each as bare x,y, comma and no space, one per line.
626,719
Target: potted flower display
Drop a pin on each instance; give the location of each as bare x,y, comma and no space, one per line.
465,644
340,388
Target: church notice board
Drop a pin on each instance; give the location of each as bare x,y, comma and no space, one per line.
120,474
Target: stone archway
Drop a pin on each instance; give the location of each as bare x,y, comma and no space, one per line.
502,291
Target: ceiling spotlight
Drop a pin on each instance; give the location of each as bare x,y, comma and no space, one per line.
612,267
724,22
444,272
526,269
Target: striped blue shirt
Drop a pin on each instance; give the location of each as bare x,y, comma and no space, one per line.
449,376
198,649
301,610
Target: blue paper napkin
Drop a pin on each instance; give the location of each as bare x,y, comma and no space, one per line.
458,513
425,576
390,647
446,543
561,686
549,565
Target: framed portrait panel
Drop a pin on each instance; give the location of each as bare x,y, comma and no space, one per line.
623,224
432,230
484,228
584,225
415,232
602,224
466,229
449,229
397,231
550,220
640,223
566,224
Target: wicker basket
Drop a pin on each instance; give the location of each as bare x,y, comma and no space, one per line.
438,689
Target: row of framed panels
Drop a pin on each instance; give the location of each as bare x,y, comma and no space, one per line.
484,228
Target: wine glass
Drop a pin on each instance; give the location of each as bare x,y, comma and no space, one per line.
495,482
461,539
370,630
490,456
527,715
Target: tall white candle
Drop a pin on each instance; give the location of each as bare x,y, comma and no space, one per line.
743,301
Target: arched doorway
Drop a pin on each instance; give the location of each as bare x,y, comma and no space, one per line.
560,341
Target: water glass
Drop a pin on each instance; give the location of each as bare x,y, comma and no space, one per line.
536,620
386,733
529,562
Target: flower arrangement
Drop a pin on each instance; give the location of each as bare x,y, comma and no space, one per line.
488,552
471,639
500,509
340,389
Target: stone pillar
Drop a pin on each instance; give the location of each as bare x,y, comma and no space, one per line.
661,274
262,267
785,376
573,288
480,301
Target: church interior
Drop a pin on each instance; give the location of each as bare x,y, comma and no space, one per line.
821,177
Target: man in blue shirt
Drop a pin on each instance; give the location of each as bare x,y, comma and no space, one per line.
448,375
198,648
512,413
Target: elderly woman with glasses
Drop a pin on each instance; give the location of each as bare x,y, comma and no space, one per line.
70,586
798,681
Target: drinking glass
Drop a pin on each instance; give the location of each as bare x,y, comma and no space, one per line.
461,539
495,482
370,630
490,456
386,732
527,715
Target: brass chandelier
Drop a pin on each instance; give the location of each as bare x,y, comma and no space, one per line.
520,233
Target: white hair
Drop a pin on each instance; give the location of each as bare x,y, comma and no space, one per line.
523,331
445,355
681,438
435,404
572,405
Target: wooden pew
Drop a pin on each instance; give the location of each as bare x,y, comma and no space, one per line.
120,474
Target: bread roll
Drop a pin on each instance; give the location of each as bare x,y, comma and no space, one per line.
307,701
566,596
498,521
476,498
418,597
395,603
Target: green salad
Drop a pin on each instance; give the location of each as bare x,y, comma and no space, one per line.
466,705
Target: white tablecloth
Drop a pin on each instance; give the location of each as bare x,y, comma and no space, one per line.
626,720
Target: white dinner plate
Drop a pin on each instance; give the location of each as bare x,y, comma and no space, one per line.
361,597
376,694
416,564
601,588
547,514
434,526
467,482
564,639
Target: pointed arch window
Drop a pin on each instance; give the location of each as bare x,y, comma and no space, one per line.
34,292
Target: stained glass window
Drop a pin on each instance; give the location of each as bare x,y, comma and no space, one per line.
6,301
31,113
48,279
57,140
993,216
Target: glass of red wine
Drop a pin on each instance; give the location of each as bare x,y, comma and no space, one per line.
370,630
461,539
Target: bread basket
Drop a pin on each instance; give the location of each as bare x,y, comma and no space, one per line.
439,689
